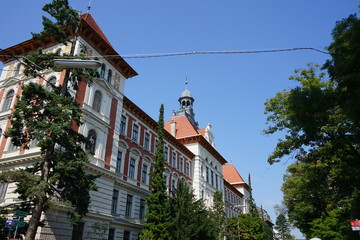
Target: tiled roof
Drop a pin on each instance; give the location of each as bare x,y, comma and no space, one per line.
231,174
90,20
184,128
202,131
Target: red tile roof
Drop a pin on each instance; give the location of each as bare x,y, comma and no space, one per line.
231,174
184,128
90,20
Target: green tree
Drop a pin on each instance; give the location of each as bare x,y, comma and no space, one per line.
324,141
157,215
247,227
46,117
283,228
218,214
343,67
189,217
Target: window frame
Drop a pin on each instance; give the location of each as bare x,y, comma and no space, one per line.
128,205
9,97
97,100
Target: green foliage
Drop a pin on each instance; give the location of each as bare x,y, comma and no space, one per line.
324,140
218,214
343,67
45,117
189,218
247,227
157,215
283,228
98,231
66,19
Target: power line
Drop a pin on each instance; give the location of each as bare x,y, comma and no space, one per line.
155,55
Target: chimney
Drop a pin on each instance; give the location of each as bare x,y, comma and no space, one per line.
173,128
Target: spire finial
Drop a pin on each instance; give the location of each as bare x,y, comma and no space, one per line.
89,7
186,81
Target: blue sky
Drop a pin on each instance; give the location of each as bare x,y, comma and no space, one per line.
229,89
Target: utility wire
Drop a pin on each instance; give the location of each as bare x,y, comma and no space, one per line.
155,55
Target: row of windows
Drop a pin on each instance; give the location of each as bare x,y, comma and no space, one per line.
128,205
210,176
231,197
182,165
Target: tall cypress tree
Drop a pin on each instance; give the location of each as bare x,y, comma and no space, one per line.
157,215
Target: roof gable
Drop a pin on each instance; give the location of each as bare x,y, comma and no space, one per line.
231,174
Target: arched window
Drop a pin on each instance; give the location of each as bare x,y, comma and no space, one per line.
50,84
8,100
92,139
97,100
102,71
109,76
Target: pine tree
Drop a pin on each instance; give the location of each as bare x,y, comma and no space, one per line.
283,228
190,219
47,117
157,215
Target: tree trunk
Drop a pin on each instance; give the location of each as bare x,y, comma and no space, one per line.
39,206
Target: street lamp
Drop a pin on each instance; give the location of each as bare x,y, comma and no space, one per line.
76,63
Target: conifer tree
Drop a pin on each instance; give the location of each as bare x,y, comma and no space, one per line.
190,219
252,205
46,118
157,215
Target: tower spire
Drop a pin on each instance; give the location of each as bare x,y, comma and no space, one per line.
186,81
89,6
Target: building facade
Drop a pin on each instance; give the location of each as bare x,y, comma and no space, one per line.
124,141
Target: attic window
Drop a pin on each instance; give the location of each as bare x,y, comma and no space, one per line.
109,76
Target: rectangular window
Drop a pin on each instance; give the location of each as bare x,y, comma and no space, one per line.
165,181
207,173
78,231
216,181
128,208
144,173
166,153
181,167
3,190
142,209
174,159
135,133
132,168
156,145
188,169
118,162
122,124
212,178
111,235
126,235
173,186
147,141
114,201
